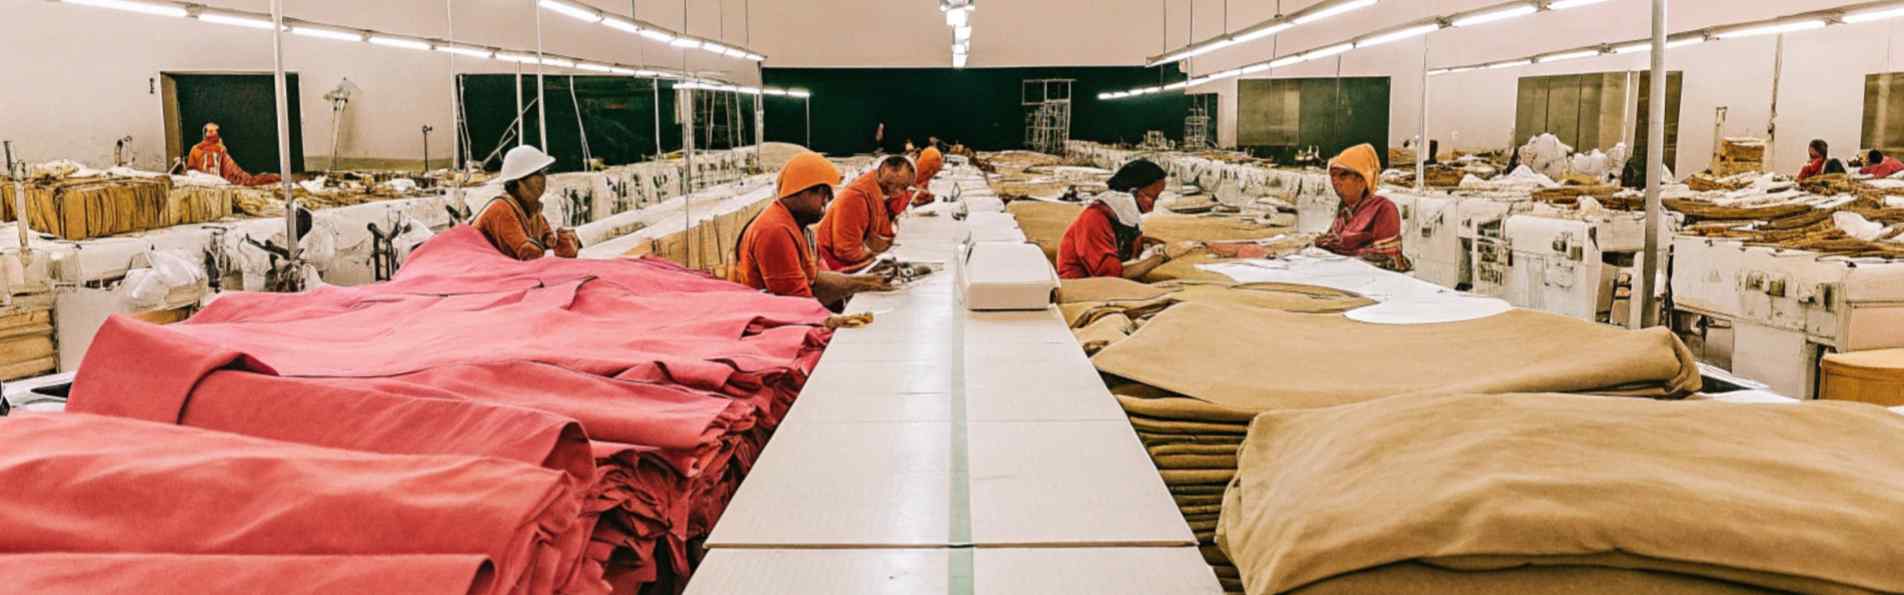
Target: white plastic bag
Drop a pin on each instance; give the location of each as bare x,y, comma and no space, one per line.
166,270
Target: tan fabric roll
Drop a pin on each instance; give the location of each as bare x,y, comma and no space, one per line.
1106,289
1723,491
1044,222
1196,476
1169,426
1191,449
1284,297
1156,439
1216,353
1183,408
1084,313
1101,333
1410,578
1227,461
1184,500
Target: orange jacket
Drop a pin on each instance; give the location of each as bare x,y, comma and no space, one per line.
857,215
515,233
212,158
774,255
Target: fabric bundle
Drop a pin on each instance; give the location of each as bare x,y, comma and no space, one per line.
81,484
1568,494
26,338
198,204
668,409
82,208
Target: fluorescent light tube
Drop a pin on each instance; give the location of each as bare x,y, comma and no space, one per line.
1575,55
1880,14
1438,72
1263,32
1774,29
152,8
621,71
579,12
1509,64
514,57
801,93
235,20
714,48
1496,15
1566,4
777,92
557,62
1647,46
592,67
1255,68
1332,11
473,52
400,42
956,17
750,90
1175,86
615,22
657,35
1398,35
1328,51
685,42
756,57
648,74
1286,61
322,33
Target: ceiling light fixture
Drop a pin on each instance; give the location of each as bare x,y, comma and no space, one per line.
463,50
400,42
1351,5
1878,14
1773,29
621,24
323,33
1498,14
235,20
582,13
1399,34
1566,4
151,8
1574,55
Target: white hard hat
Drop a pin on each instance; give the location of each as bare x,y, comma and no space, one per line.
523,161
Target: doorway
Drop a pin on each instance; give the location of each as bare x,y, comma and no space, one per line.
244,106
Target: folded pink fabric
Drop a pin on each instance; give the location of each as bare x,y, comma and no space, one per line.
174,574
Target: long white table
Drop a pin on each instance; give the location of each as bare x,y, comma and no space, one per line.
945,451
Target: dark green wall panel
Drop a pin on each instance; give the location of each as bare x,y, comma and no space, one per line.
977,106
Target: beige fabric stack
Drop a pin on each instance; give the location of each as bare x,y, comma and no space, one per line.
1550,494
198,204
82,208
26,337
710,245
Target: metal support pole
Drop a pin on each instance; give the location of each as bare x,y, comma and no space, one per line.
284,137
456,115
542,98
684,106
809,107
760,130
1421,142
1655,143
657,118
522,123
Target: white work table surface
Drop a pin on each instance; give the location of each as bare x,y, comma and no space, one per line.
940,450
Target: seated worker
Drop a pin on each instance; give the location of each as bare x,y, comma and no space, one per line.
1367,225
774,254
211,157
856,229
930,161
1879,165
1105,239
1819,151
513,222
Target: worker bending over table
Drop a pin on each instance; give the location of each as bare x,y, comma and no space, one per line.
1107,237
513,222
774,254
1879,165
1367,225
930,161
856,229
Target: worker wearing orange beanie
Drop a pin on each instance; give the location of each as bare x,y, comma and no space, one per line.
774,253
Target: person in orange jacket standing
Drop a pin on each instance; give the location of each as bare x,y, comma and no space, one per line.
774,254
856,229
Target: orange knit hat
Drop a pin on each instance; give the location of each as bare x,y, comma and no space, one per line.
804,171
929,163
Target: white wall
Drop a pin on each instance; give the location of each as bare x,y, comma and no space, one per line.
78,77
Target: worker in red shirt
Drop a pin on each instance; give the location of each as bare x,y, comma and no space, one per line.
1106,238
1819,153
1879,165
1366,225
774,253
930,162
856,229
210,156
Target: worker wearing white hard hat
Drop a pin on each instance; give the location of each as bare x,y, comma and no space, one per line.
513,222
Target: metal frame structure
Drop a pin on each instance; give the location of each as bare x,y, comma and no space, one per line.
1048,113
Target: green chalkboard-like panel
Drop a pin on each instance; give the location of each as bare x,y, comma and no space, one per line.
618,113
245,108
980,107
1278,118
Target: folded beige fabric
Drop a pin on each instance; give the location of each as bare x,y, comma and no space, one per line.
1409,578
1196,490
1102,332
1170,426
1217,354
1081,314
1801,497
1286,297
1223,461
1216,477
1181,228
1044,222
1107,289
1192,449
1182,408
1188,500
1156,439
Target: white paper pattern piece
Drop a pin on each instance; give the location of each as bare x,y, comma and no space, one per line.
1400,299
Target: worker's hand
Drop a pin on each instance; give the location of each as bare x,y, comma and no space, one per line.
879,245
871,283
922,198
567,244
1181,249
1326,240
1147,241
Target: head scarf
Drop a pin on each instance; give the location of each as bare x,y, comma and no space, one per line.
1362,160
1123,204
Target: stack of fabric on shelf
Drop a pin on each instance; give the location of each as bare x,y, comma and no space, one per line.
1543,493
79,208
650,387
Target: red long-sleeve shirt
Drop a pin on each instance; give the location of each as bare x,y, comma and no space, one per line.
1375,219
1887,168
774,255
1090,247
1817,166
